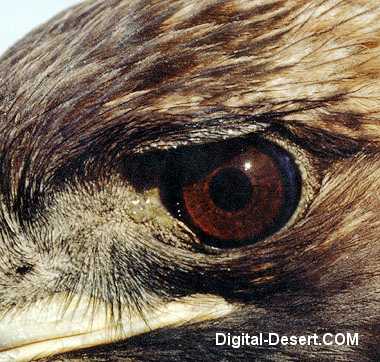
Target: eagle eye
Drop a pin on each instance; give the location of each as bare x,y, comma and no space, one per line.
235,192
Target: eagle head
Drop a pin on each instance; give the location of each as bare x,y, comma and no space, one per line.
188,180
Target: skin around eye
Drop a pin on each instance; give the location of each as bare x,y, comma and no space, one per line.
236,193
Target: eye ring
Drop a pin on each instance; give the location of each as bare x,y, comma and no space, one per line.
270,190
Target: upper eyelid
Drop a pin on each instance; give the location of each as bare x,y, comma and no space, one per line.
319,142
214,130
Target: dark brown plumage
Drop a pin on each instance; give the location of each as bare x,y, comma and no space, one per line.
90,104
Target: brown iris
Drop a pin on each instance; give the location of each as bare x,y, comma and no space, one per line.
238,200
237,193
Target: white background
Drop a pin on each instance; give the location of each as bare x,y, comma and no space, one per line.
18,17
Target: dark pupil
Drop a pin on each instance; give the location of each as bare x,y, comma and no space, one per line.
230,189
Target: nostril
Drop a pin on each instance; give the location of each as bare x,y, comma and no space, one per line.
24,269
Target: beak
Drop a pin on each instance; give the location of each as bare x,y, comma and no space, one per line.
55,326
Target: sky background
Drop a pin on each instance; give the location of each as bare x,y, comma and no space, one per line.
18,17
